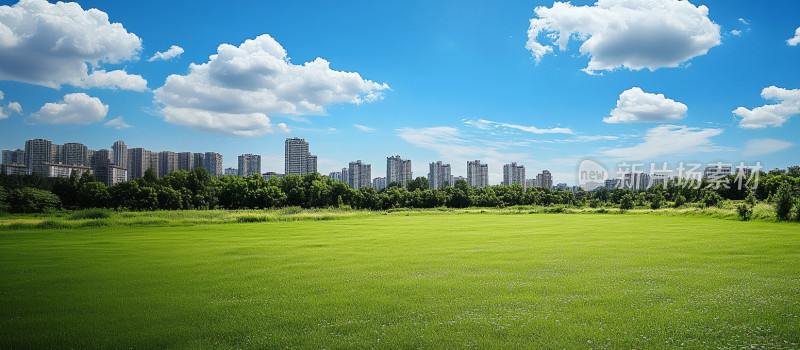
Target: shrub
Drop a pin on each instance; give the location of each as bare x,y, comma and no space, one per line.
626,202
291,210
679,200
31,200
655,204
783,201
251,218
594,203
750,200
711,199
745,211
95,213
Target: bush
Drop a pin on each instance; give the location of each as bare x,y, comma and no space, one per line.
251,218
745,211
31,200
96,213
711,199
655,204
750,200
291,210
594,203
626,202
783,201
679,200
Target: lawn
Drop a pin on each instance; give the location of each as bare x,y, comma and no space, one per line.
405,281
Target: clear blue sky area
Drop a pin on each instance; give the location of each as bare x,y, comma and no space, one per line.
632,80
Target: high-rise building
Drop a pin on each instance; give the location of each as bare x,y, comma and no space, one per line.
155,162
249,164
337,176
717,171
514,174
76,154
379,183
530,183
16,156
477,173
37,153
213,163
231,171
545,179
346,175
106,171
58,154
398,170
119,154
185,161
298,160
167,162
65,170
138,162
199,160
439,175
359,175
14,169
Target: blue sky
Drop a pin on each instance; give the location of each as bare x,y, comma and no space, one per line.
638,80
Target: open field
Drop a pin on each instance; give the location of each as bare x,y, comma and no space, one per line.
397,281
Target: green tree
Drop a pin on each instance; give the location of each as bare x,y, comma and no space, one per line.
745,211
420,183
94,195
655,203
680,200
31,200
784,201
626,202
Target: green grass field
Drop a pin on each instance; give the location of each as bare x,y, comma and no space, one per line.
396,281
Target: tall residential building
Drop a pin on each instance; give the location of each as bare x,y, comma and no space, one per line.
545,179
514,174
185,161
106,171
477,174
530,183
717,171
636,181
76,154
16,156
359,175
249,164
213,163
138,162
439,175
37,153
198,160
155,162
298,160
65,170
346,175
379,183
167,162
58,154
398,170
231,171
119,154
337,176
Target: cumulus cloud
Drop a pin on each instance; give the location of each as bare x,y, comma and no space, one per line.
76,108
117,123
54,44
174,51
637,106
239,86
363,128
633,34
770,115
796,39
665,140
11,106
759,147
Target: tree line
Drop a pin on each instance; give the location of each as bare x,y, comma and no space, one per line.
196,189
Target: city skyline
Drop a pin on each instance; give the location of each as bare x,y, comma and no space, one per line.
468,81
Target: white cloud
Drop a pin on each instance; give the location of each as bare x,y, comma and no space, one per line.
633,34
484,124
238,87
736,32
117,123
637,106
744,21
758,147
770,115
174,51
664,140
73,109
11,106
51,44
796,39
363,128
113,80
